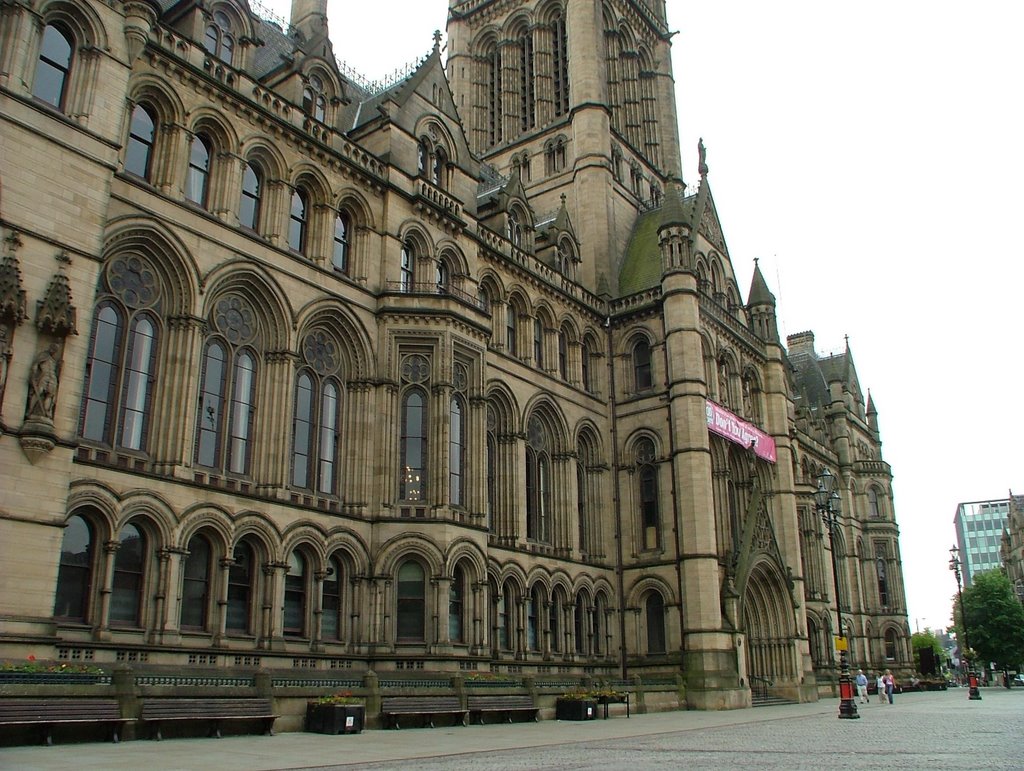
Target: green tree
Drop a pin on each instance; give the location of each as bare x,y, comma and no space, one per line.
995,620
926,639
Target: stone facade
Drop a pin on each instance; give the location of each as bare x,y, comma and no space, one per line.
303,373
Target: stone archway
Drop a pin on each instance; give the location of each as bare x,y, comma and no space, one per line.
767,617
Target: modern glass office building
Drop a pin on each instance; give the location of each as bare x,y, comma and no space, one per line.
979,529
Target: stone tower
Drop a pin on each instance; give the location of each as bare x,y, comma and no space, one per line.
577,100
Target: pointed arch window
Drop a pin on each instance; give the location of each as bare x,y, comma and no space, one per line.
598,625
439,167
314,102
527,103
252,197
75,571
873,508
642,377
515,229
492,79
406,274
197,184
581,504
195,586
506,618
554,622
315,431
586,372
414,446
511,322
563,354
456,450
122,360
883,583
331,602
227,405
138,155
410,613
655,613
456,605
295,590
580,626
219,40
342,236
538,343
560,64
129,572
647,480
891,648
538,482
534,617
241,578
298,221
53,68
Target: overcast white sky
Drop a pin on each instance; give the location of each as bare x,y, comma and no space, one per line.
871,154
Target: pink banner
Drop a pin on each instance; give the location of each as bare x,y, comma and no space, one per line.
724,423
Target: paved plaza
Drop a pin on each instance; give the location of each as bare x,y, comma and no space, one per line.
921,731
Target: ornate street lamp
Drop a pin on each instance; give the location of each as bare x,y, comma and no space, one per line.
826,500
973,693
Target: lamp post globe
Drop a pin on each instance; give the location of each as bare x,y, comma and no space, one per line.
973,694
826,501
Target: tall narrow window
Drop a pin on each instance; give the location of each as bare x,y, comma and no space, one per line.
342,229
642,379
195,585
295,596
534,615
141,135
411,611
560,65
527,103
328,439
538,482
580,624
554,627
883,583
585,372
314,103
53,67
456,603
647,478
511,321
597,625
414,446
406,269
439,167
298,221
441,277
873,510
137,380
655,608
501,621
581,504
330,623
302,434
242,406
218,40
103,374
509,623
890,645
515,229
129,568
494,96
197,184
492,475
211,405
252,193
74,574
456,450
563,355
538,343
240,588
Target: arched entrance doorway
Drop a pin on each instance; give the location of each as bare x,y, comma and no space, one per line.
767,614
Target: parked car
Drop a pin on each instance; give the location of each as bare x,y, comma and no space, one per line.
1018,679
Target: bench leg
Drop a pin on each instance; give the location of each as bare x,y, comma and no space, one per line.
215,729
117,739
270,728
47,735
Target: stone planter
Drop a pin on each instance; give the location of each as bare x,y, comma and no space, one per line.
335,718
575,709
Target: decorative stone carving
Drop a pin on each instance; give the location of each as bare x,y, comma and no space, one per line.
55,315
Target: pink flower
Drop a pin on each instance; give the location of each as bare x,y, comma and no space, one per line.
31,657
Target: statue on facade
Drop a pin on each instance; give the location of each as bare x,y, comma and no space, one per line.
702,158
42,384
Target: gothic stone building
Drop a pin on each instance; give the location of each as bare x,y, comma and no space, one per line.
446,373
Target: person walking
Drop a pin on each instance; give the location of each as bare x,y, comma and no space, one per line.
890,685
880,684
862,686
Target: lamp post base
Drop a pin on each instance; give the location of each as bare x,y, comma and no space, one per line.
847,703
973,694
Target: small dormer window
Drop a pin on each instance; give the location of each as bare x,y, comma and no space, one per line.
515,229
314,103
219,41
432,161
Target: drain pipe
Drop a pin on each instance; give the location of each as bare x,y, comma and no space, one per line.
616,499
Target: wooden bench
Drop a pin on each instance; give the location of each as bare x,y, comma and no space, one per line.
46,713
155,712
392,707
503,704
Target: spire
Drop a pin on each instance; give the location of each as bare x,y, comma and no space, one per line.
309,16
759,293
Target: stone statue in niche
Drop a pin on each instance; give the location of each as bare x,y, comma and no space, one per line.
42,385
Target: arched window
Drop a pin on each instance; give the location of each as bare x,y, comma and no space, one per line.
647,479
891,646
534,615
440,167
441,276
252,197
598,625
581,504
406,274
655,607
580,626
410,615
219,41
414,446
554,621
121,365
227,394
422,157
129,572
511,322
586,373
873,509
538,343
138,156
295,596
298,221
197,185
314,103
883,583
456,605
331,619
241,577
75,572
195,586
342,231
527,103
563,354
538,482
316,422
515,229
560,65
642,378
53,68
506,617
456,450
492,80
